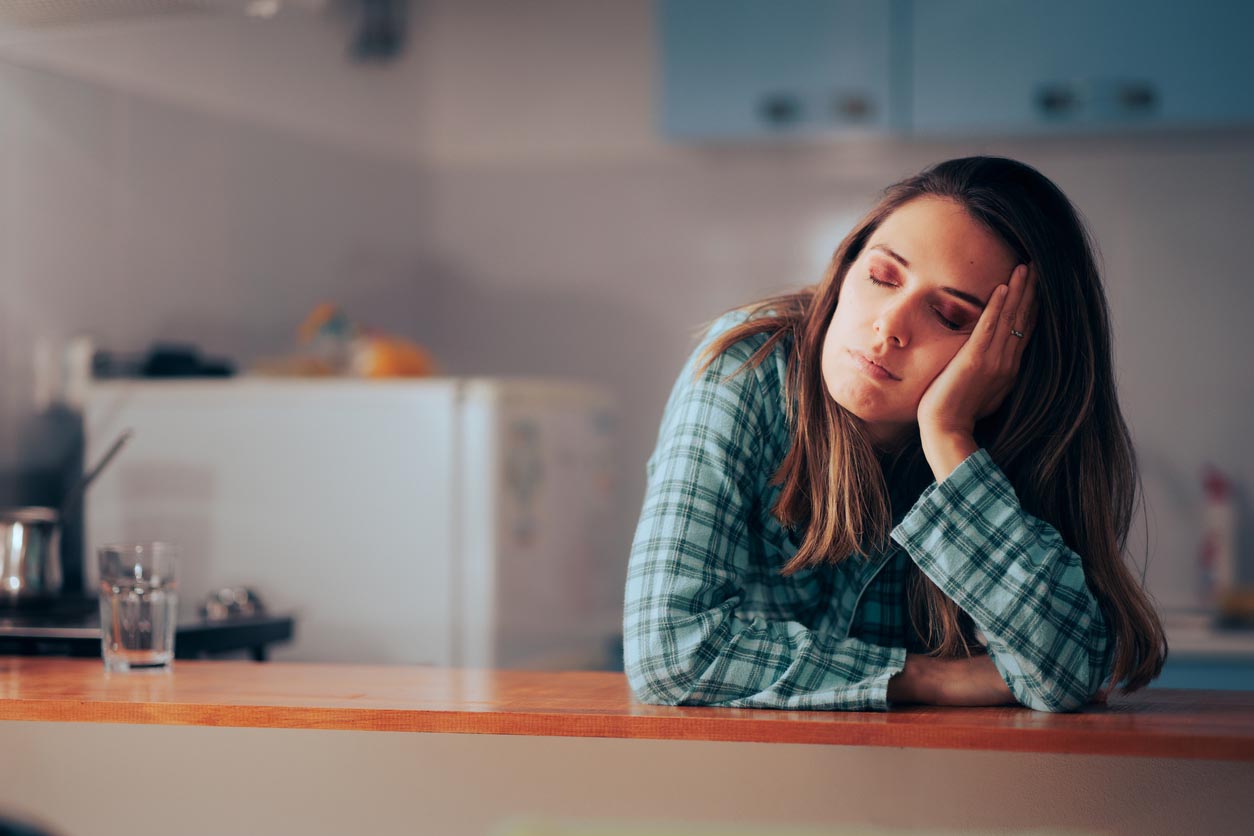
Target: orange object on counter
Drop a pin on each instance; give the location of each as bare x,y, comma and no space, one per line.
380,356
344,347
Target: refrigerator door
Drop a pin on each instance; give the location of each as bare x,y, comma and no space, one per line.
538,583
331,498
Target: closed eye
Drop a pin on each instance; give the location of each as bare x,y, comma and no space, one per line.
948,323
944,321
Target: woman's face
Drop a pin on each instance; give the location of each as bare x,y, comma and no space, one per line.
939,267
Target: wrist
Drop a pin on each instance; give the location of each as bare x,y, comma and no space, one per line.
913,683
946,449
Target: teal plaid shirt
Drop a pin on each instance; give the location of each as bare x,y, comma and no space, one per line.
708,619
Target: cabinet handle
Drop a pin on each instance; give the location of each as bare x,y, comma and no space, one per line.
1057,99
1138,97
780,109
1097,99
852,107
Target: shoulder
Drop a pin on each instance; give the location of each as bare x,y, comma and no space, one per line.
749,397
738,352
769,375
726,415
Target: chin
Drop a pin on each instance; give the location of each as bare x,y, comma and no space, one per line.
867,404
869,407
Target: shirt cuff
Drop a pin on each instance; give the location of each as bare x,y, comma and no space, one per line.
892,661
976,488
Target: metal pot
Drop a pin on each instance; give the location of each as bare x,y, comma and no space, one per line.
30,541
30,554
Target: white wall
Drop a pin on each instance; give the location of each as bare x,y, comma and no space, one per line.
500,195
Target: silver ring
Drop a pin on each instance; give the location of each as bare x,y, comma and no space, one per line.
1018,334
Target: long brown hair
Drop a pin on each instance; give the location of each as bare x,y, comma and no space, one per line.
1059,435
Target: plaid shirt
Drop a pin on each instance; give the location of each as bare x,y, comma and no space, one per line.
708,619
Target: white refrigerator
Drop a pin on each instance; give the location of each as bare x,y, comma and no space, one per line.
446,521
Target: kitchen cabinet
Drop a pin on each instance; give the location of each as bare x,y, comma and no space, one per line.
746,69
990,67
1202,656
1213,673
753,69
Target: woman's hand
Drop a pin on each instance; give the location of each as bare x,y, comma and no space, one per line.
976,381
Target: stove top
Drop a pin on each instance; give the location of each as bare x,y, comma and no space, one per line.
58,610
70,625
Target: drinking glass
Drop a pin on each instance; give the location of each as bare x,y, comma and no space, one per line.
138,605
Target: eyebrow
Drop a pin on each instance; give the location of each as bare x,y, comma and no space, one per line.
952,291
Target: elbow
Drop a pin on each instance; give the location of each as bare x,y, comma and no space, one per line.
671,657
655,678
654,689
1063,692
1053,702
1061,683
656,672
1054,697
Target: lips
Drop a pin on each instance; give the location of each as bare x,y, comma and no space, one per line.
872,368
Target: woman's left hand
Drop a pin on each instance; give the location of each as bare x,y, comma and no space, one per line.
978,378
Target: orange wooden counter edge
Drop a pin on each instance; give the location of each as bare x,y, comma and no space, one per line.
1211,725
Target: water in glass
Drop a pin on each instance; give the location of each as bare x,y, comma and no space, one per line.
137,621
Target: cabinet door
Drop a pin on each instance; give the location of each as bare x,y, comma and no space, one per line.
1074,66
744,69
1212,673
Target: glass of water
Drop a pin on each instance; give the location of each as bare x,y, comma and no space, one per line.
138,605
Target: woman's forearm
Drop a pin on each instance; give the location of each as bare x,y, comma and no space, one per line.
926,679
1043,623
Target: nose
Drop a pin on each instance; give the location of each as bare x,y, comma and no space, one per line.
893,324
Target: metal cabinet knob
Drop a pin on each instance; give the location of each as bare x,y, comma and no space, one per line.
1138,97
852,107
1057,99
1097,100
781,110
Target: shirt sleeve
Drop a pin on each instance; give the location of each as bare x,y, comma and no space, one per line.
1022,586
684,641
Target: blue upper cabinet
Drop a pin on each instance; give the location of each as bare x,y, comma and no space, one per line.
758,69
748,69
982,67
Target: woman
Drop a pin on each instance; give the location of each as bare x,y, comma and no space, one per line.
909,483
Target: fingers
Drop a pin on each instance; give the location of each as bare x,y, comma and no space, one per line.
1025,317
984,336
1011,308
1009,318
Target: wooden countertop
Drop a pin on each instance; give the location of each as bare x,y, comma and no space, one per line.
1213,725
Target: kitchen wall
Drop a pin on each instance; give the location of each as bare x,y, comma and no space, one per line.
500,194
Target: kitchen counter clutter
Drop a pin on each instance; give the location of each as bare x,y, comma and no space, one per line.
1207,725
